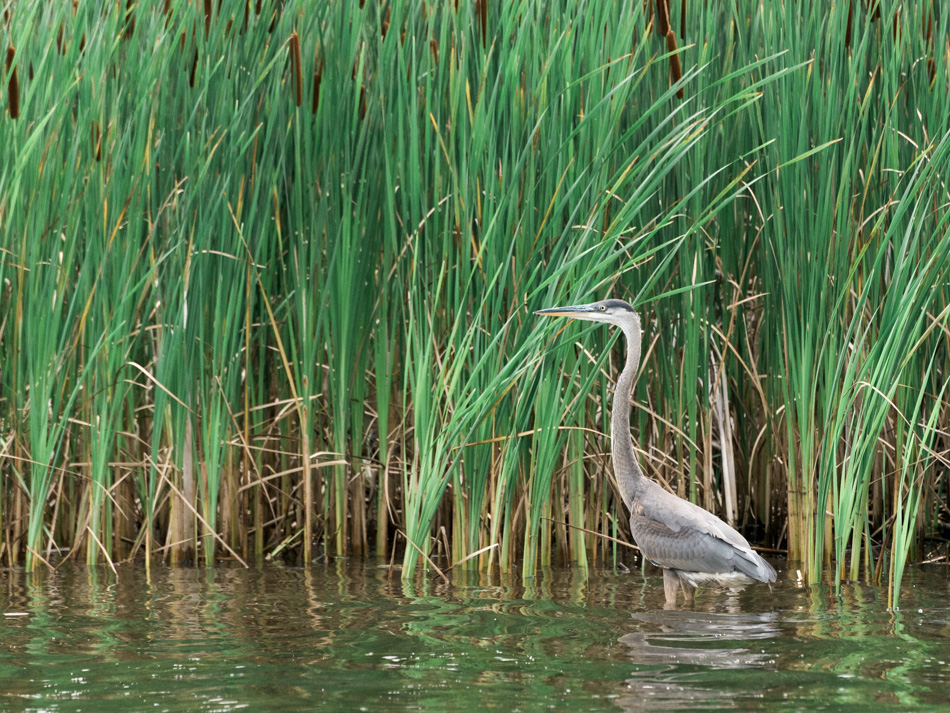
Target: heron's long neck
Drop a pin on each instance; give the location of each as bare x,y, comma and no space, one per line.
628,473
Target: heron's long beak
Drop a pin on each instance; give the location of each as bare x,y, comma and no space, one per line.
575,311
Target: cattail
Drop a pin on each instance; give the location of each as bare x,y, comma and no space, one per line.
82,43
434,48
194,70
317,78
683,20
932,71
13,88
129,29
207,18
362,2
662,18
96,137
847,32
676,71
59,40
482,7
384,28
296,67
875,7
257,7
362,108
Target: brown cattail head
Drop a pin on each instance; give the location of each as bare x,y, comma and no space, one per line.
847,32
683,20
194,70
317,78
129,19
434,48
482,6
208,10
662,17
96,138
13,88
384,28
874,7
296,66
676,71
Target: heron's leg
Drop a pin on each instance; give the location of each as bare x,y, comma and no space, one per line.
671,583
688,592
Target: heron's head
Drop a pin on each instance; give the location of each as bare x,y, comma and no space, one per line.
616,312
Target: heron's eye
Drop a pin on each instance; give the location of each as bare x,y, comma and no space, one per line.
603,308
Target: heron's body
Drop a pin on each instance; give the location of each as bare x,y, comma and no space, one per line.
693,546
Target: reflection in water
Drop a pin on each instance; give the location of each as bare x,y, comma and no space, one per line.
351,635
671,640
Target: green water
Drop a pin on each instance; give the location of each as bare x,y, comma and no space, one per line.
346,637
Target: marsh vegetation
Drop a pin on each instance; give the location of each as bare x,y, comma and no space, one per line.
267,272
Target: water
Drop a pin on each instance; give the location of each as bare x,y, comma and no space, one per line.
346,637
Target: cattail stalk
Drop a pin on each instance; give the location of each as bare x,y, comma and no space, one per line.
296,66
13,88
676,71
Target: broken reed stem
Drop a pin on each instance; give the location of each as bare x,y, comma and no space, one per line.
676,71
13,88
296,67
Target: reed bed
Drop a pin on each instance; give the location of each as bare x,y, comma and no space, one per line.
267,272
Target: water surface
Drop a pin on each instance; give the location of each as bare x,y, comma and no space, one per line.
348,637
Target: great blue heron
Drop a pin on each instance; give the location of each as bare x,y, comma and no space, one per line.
693,546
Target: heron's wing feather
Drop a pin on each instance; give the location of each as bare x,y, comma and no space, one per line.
675,533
